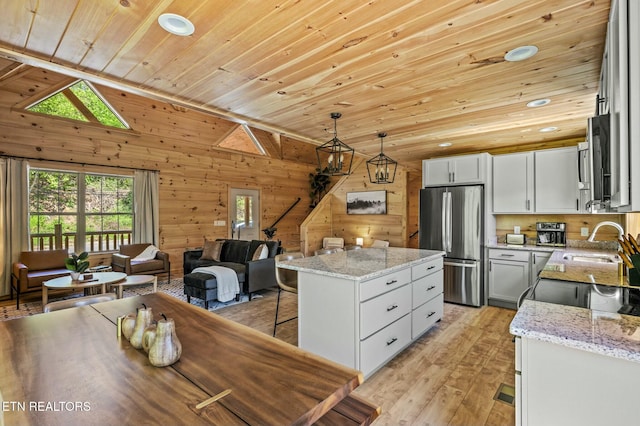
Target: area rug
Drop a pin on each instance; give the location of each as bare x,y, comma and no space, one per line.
173,288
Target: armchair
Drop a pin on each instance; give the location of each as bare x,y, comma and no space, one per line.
125,261
35,267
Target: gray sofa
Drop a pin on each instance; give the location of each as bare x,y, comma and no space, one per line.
253,275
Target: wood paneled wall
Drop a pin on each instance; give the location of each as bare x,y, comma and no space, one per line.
332,220
195,177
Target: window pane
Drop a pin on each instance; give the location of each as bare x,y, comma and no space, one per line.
60,106
94,104
107,209
240,209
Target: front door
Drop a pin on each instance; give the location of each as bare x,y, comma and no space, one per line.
244,214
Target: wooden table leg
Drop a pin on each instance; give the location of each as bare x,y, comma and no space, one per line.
120,291
45,295
155,284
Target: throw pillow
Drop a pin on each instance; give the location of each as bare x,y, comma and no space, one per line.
211,250
147,254
262,252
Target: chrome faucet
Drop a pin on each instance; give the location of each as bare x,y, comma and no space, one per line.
606,222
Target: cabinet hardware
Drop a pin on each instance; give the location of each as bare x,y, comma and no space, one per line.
534,258
392,307
391,341
431,287
431,267
392,282
506,255
528,204
431,314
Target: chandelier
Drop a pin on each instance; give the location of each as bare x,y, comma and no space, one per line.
335,157
381,168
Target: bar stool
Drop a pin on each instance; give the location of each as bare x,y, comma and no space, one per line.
287,280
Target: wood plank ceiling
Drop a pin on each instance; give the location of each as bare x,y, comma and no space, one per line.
425,72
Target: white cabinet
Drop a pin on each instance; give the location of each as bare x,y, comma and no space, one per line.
558,385
509,276
544,181
364,323
513,183
428,296
538,261
464,169
556,180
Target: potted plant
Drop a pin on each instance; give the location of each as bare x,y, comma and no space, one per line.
318,183
77,264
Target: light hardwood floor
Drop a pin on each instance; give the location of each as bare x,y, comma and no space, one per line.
448,377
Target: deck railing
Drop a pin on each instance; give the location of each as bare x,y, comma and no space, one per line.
95,241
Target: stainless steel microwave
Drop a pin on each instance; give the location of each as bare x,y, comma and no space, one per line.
595,165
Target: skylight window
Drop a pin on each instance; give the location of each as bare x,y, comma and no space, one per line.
80,101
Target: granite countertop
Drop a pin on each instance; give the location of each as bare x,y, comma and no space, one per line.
594,331
361,264
558,268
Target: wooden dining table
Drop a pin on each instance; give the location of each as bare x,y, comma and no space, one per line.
70,367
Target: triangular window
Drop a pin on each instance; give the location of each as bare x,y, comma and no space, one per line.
80,101
243,139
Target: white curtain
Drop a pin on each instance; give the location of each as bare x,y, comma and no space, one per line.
13,216
146,227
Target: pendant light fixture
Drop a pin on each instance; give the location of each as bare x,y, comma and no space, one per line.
335,157
381,168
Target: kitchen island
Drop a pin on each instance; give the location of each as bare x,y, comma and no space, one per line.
360,308
578,364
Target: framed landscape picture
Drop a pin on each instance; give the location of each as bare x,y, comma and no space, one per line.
369,202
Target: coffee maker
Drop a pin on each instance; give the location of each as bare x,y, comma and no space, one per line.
551,234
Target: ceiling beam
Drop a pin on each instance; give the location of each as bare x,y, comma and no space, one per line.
147,93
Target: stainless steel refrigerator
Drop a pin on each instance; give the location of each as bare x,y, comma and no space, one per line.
451,219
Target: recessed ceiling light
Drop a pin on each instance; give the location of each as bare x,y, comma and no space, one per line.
539,103
176,24
548,129
445,144
520,53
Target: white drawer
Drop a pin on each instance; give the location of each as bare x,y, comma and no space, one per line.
388,282
426,268
383,345
426,315
426,288
517,255
378,312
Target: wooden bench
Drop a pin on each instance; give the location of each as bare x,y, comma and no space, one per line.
352,410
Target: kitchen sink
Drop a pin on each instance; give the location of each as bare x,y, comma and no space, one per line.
594,258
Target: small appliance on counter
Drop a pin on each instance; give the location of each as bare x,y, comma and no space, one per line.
516,239
551,234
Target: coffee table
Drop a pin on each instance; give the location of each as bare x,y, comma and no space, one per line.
99,279
133,280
